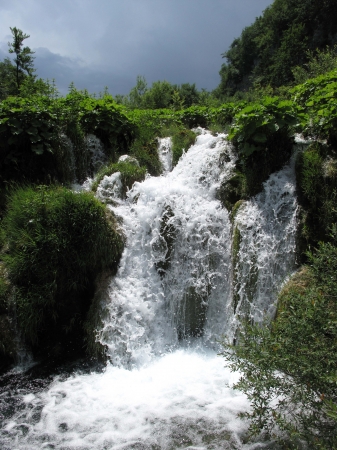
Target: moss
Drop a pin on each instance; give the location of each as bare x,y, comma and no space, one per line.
298,285
58,243
8,335
233,190
94,320
250,283
146,153
316,176
182,139
260,165
236,242
5,289
130,173
235,209
8,341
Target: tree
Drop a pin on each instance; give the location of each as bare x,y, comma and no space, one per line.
137,93
7,79
24,59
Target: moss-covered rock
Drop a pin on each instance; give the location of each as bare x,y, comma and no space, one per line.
96,313
233,190
129,174
58,243
260,165
235,209
253,170
182,140
316,175
236,241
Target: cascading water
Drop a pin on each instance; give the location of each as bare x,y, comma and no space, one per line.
265,228
170,301
96,151
165,154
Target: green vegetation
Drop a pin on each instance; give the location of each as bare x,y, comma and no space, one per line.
56,243
286,36
182,139
130,173
33,148
288,368
59,248
24,59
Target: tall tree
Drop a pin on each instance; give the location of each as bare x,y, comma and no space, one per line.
268,50
24,59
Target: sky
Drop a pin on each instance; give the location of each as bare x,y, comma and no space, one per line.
98,43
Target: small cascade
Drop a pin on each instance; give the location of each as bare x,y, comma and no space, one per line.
264,246
69,164
165,153
96,151
110,188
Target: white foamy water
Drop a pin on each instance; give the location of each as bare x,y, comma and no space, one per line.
168,305
148,312
165,153
266,258
180,400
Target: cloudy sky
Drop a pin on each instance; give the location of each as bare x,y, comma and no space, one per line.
98,43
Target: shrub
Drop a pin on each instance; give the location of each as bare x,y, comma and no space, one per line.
288,368
28,128
316,173
108,121
319,63
318,97
58,242
255,124
35,133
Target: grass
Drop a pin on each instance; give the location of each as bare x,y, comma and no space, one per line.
57,243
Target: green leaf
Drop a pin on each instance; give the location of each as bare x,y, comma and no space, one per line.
259,137
38,149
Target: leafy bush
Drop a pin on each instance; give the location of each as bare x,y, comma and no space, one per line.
34,131
58,242
288,368
318,96
28,129
255,124
107,120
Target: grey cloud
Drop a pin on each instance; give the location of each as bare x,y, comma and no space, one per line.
110,42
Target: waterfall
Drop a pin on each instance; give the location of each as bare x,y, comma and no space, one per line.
180,286
165,153
265,229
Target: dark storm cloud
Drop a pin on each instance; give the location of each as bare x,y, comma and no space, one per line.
110,42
